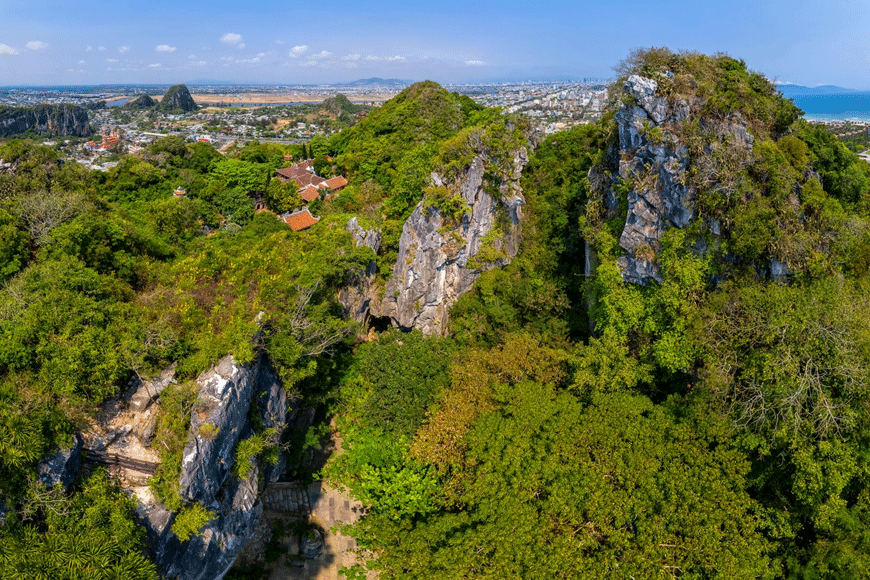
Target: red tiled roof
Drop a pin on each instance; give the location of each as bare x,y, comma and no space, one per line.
294,172
301,220
310,193
291,173
336,182
308,179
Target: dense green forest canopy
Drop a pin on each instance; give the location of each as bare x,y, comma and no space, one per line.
569,424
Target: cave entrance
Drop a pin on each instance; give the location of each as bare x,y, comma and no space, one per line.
380,323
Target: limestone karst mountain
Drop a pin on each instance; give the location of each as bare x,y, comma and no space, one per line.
53,119
178,98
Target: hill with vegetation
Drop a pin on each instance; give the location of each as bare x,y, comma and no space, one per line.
141,102
177,98
44,119
340,107
659,367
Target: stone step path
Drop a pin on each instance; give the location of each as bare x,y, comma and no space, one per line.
288,498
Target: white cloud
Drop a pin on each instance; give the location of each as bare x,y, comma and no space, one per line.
36,45
298,50
6,49
82,62
351,57
240,45
192,57
111,60
155,65
308,63
279,42
164,48
89,48
102,48
231,38
474,63
123,49
261,54
322,54
396,58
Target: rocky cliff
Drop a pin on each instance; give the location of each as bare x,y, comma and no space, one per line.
654,169
229,395
468,222
178,98
52,119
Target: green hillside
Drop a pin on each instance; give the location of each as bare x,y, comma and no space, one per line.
670,380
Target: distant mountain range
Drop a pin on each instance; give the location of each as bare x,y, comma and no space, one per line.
790,90
377,82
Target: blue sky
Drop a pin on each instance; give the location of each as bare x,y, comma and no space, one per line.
160,41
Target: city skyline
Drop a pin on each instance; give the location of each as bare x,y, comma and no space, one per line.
51,42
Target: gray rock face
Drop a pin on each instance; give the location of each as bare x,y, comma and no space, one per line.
211,555
440,259
62,467
146,392
356,296
362,237
436,264
53,119
654,164
220,419
779,271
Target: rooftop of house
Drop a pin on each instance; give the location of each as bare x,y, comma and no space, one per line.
300,219
310,193
336,182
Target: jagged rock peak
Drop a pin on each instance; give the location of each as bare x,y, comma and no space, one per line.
654,161
178,97
465,225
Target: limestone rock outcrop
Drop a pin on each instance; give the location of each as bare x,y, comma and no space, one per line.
53,119
62,467
178,98
359,291
441,254
436,263
653,166
228,394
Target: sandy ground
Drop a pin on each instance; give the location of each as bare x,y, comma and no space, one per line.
115,416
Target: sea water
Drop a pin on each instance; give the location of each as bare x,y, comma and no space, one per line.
835,107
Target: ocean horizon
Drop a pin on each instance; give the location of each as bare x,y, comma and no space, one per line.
853,106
